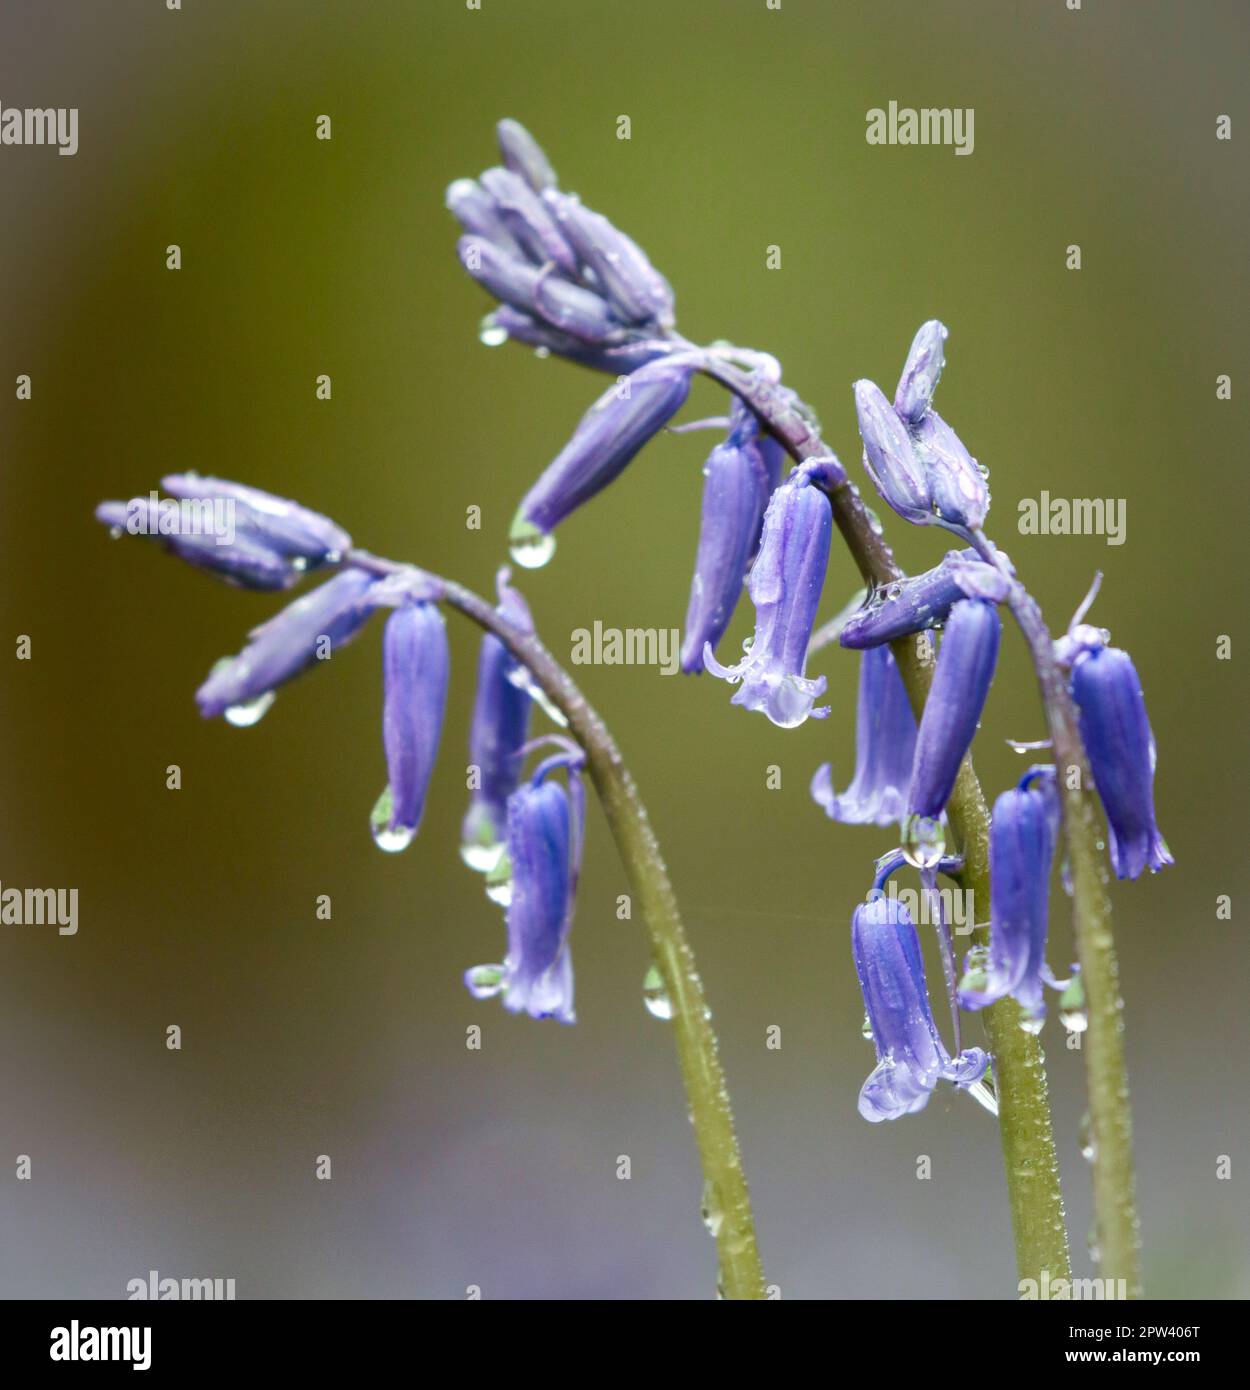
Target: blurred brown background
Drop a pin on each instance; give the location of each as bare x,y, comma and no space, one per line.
300,257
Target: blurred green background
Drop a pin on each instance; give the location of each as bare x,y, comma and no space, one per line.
347,1038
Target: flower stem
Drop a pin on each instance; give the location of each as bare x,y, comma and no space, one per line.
1025,1126
727,1203
1111,1127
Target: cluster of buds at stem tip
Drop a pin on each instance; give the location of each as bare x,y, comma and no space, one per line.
239,534
566,279
1115,730
911,1056
917,462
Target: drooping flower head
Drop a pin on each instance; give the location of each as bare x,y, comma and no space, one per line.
611,432
917,602
785,586
1117,736
311,628
415,669
738,479
497,735
1023,830
545,828
961,682
911,1057
885,741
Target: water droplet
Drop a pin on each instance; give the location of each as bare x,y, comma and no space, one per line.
924,841
655,995
530,547
115,533
386,836
499,881
542,352
874,521
1072,1006
712,1214
491,334
866,1028
1032,1026
1089,1149
485,981
481,858
521,678
249,712
984,1095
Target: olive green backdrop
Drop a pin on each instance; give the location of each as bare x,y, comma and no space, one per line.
197,907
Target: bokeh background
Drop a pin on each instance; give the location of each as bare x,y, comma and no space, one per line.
303,1037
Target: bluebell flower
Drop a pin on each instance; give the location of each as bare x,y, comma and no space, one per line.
244,559
911,1057
637,292
885,741
497,736
916,461
536,291
304,537
476,211
611,432
921,372
913,604
415,668
310,628
1121,748
524,155
961,682
529,220
1023,831
617,358
785,586
736,489
545,826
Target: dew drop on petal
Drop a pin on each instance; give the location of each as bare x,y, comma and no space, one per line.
924,841
530,547
386,836
249,712
491,334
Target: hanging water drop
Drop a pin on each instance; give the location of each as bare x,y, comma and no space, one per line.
655,995
388,837
924,841
499,881
865,1030
249,712
1072,1012
530,547
481,856
711,1212
984,1096
485,981
1089,1150
491,334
